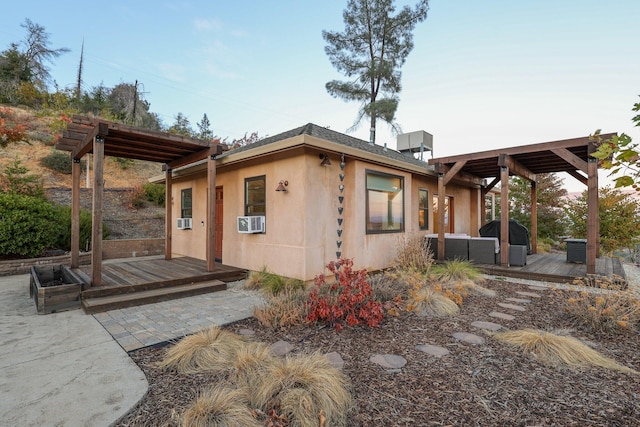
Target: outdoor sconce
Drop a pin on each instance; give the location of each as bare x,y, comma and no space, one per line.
325,160
282,185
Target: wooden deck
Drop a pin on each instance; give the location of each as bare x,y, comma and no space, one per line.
553,267
140,281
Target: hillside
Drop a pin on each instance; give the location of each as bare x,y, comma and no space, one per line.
40,144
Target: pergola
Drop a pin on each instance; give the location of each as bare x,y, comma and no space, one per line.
103,138
495,166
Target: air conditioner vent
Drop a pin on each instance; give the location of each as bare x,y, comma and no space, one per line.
251,224
184,223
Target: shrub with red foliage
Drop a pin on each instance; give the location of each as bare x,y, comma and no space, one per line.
9,130
349,298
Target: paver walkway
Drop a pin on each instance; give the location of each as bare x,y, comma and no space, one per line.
151,324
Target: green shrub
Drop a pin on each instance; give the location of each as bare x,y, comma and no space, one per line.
135,197
28,225
124,163
272,283
16,179
155,193
456,270
63,238
59,162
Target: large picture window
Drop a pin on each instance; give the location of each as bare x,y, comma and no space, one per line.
255,195
186,203
385,203
423,209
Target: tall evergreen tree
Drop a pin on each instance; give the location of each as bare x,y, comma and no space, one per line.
181,126
371,50
204,128
550,196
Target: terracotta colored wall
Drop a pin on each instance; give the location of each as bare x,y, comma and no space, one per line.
302,223
190,242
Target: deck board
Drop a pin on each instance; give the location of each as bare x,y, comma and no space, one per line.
134,273
555,268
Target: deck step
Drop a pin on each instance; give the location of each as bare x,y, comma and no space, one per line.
111,302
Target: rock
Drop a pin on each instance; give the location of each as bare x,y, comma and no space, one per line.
335,359
528,294
512,306
469,338
246,332
281,348
432,350
519,300
501,315
490,326
390,361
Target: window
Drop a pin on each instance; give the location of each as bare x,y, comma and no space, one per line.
255,195
186,203
423,209
448,214
385,203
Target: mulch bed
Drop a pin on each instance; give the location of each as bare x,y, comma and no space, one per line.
475,385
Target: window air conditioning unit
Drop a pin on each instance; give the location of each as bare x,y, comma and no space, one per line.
184,223
251,224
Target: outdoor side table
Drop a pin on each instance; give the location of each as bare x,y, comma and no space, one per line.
577,250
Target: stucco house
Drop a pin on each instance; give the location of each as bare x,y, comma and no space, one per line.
313,194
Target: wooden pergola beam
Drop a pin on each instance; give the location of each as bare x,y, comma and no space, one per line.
583,179
456,174
505,160
575,161
86,145
453,171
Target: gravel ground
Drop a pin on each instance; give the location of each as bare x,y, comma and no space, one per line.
490,384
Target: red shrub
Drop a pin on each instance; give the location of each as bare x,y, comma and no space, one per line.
349,298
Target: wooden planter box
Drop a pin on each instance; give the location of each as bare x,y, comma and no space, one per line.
54,288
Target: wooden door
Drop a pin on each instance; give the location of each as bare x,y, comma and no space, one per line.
217,247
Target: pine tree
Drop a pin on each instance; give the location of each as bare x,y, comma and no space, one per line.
374,45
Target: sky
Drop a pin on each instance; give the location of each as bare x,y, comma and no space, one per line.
482,75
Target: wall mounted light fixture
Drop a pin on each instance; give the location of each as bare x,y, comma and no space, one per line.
282,185
325,160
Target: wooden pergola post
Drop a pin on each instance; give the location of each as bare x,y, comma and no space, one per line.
211,209
441,190
168,218
75,213
504,216
592,215
534,218
98,190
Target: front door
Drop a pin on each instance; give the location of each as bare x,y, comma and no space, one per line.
217,247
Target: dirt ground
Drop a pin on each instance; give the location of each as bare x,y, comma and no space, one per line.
490,384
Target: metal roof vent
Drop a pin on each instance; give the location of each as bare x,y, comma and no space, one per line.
415,142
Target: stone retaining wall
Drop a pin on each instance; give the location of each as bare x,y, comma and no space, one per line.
111,249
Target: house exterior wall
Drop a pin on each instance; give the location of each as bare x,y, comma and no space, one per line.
191,242
302,223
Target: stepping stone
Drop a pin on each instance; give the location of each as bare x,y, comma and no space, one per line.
335,359
503,316
537,288
490,326
512,306
433,350
469,338
528,294
519,300
281,348
389,361
246,332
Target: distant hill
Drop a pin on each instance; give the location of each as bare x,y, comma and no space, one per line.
40,144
